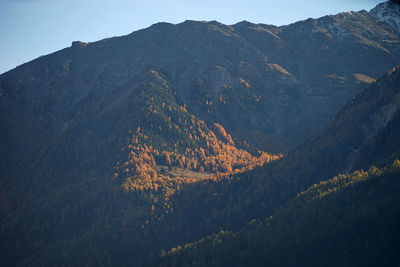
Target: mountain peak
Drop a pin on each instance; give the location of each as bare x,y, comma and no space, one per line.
388,12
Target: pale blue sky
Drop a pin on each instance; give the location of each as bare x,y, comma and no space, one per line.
31,28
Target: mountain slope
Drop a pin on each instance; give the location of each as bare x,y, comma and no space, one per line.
211,206
388,12
347,220
256,77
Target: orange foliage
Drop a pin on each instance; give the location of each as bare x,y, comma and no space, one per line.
219,156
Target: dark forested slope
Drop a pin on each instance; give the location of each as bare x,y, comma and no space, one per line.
349,220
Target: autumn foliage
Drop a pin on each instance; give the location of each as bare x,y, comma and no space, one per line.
151,167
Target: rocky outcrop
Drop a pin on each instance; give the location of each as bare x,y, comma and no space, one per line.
388,12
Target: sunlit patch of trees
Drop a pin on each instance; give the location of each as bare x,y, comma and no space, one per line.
204,150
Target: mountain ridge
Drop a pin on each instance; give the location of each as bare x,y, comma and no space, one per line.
279,72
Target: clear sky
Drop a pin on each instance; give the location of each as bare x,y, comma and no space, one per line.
31,28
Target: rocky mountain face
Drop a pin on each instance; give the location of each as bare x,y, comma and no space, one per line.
388,12
112,129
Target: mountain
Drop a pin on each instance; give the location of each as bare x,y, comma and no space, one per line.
264,84
113,150
388,12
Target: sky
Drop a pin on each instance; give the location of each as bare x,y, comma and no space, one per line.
32,28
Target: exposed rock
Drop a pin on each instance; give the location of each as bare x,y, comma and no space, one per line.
388,12
78,44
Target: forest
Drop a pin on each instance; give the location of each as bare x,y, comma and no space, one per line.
328,224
